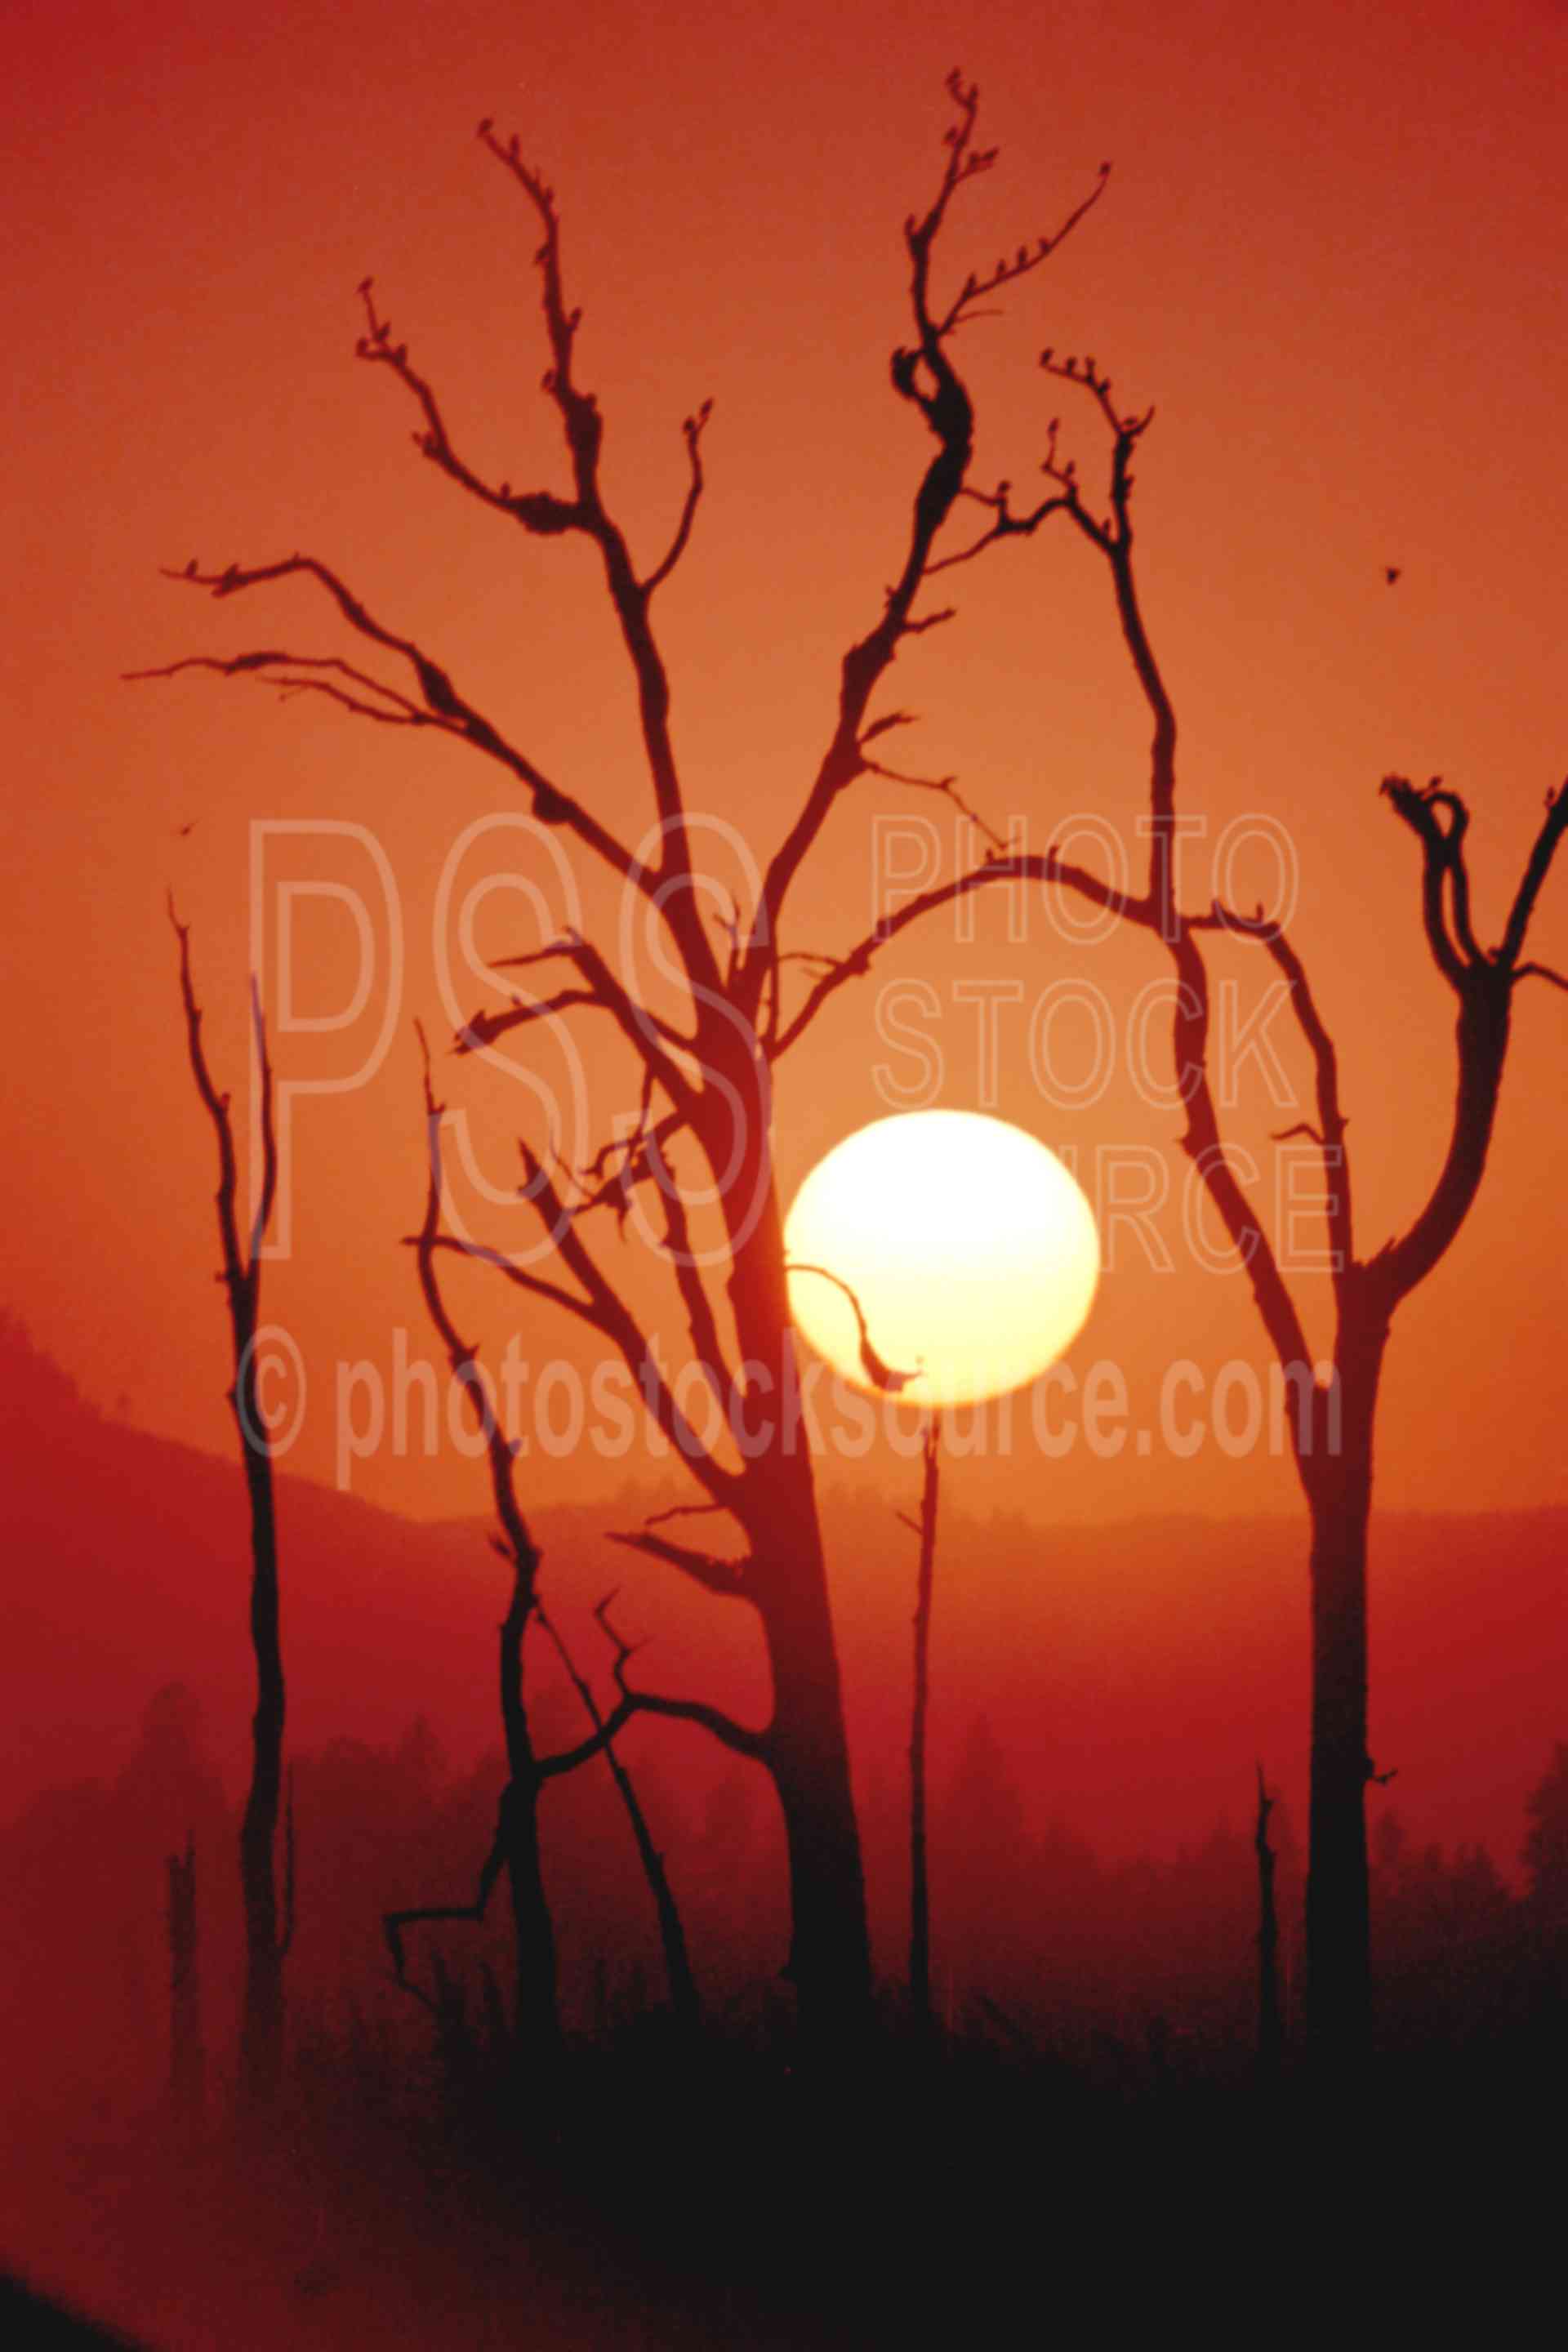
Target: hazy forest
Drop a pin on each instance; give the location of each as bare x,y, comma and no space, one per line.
1095,1925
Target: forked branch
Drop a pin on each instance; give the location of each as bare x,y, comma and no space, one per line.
737,1736
441,705
922,375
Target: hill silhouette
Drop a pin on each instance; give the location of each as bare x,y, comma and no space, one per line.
1100,1698
1130,1673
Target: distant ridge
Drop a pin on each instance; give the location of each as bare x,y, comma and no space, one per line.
1132,1673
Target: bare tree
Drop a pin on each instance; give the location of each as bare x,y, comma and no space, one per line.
684,1999
266,1933
705,1077
515,1848
920,1880
1332,1427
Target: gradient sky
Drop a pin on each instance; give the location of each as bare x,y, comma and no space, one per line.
1331,253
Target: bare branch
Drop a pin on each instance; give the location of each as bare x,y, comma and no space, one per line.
644,1031
538,512
393,1923
1484,986
885,725
1003,523
444,707
598,1304
1329,1134
678,1963
618,1167
1439,845
482,1028
725,1578
1482,1041
946,785
522,1277
692,429
608,990
925,377
1009,866
1204,1147
274,669
462,1357
235,1272
683,1511
701,1323
1026,258
735,1736
629,596
263,1217
1534,875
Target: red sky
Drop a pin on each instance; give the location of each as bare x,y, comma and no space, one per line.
1331,253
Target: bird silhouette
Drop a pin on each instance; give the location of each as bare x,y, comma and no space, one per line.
182,830
1391,572
881,1374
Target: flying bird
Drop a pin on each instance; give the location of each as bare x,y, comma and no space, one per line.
1391,572
182,830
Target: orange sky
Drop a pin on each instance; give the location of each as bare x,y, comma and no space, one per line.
1331,253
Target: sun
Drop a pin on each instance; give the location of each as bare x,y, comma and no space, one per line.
971,1254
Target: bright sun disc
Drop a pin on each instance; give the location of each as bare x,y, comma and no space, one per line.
970,1248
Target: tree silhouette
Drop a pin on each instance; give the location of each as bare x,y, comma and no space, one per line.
266,1933
704,1078
515,1849
1546,1843
1331,1428
920,1881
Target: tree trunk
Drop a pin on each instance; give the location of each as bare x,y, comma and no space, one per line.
829,1959
261,2023
1339,1491
537,2015
261,2027
808,1750
920,1886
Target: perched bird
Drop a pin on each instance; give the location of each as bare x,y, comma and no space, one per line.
881,1374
